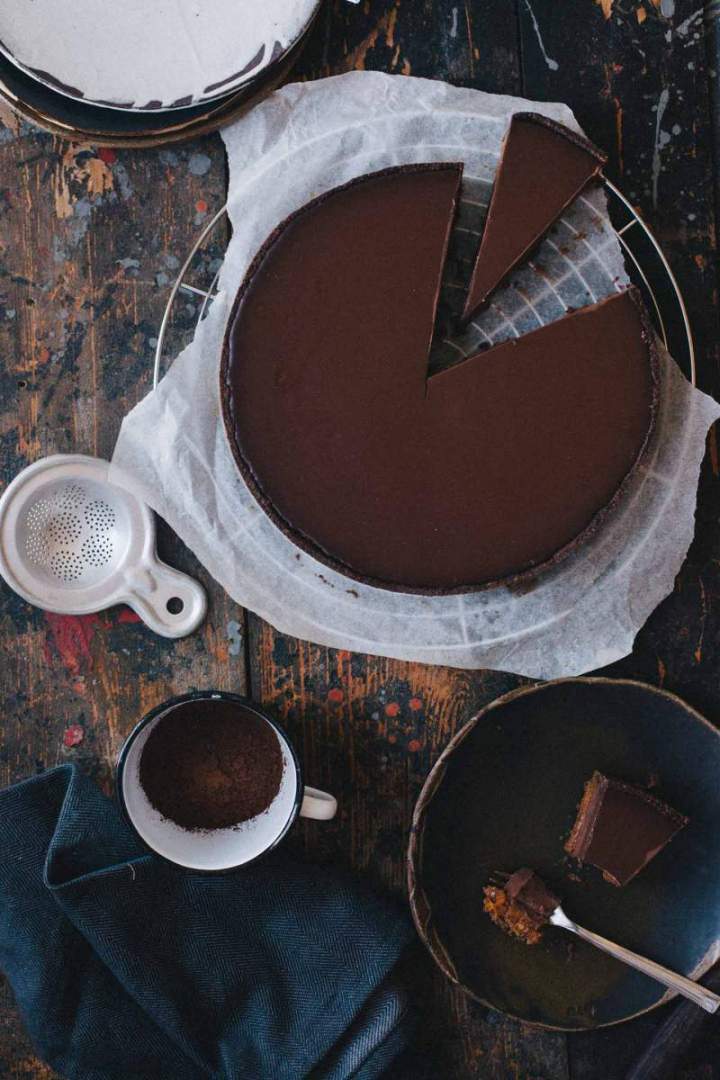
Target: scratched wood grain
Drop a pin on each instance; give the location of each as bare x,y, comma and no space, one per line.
88,245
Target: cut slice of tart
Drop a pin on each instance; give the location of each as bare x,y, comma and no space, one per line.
543,167
620,828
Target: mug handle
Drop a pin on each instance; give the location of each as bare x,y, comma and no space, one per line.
318,805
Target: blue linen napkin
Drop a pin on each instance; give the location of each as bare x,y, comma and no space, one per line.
126,967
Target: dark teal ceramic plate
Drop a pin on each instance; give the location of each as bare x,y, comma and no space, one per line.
504,795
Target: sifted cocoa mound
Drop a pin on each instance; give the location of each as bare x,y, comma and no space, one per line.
211,765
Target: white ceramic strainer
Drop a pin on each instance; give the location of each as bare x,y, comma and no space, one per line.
73,543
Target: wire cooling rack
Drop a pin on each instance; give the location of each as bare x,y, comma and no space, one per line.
196,284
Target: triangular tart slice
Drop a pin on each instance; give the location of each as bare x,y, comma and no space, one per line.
543,167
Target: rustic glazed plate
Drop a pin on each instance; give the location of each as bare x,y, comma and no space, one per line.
145,57
61,115
504,794
80,116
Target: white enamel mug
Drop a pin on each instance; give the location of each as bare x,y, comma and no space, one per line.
215,850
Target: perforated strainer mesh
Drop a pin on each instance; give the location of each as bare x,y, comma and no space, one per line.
70,533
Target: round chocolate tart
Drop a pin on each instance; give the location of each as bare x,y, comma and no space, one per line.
479,474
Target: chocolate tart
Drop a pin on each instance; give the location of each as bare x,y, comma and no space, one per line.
522,907
483,473
620,828
543,167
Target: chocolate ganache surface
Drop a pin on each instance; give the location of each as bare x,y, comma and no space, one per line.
543,167
476,475
620,828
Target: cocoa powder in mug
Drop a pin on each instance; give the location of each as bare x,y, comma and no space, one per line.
211,764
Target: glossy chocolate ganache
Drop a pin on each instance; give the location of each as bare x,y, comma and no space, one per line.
543,167
620,828
476,475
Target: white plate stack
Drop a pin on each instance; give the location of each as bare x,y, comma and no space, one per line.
144,74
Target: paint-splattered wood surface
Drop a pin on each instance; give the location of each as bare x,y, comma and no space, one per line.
89,242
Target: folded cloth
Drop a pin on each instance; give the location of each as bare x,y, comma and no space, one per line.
126,967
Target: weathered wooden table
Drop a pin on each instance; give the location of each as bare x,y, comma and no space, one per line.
89,244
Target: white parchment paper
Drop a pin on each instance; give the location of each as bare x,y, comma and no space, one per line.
172,449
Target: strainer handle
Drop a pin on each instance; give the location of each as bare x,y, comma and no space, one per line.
168,601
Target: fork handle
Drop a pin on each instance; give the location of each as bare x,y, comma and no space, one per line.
703,997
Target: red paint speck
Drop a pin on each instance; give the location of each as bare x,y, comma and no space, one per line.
392,709
127,615
201,206
335,695
69,638
108,155
414,745
415,704
73,736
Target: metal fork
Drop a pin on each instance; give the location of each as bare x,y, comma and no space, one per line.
703,997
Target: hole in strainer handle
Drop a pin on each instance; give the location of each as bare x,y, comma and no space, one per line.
169,602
